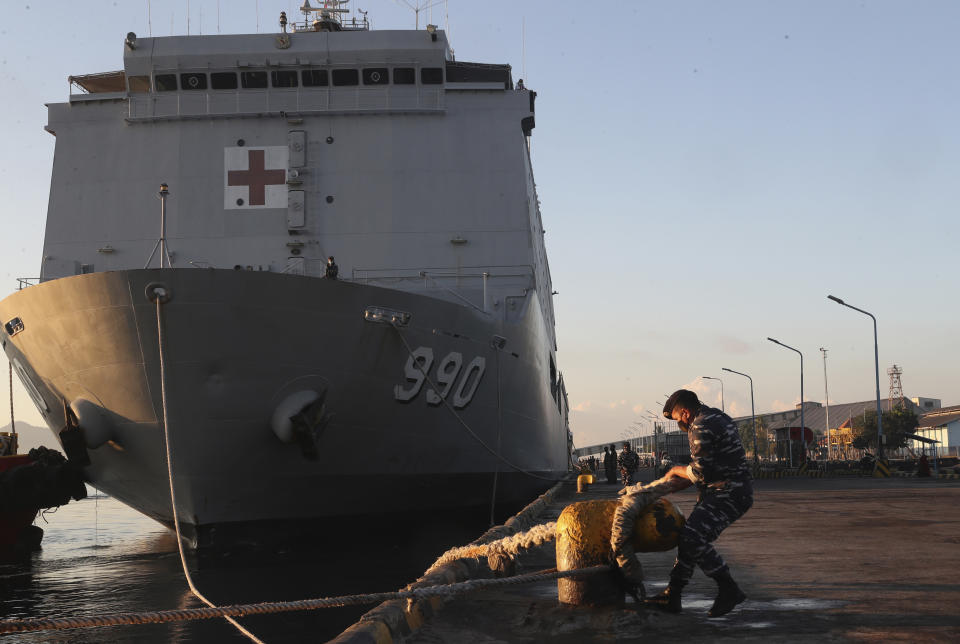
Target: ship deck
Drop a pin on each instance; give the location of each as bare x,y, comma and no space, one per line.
843,559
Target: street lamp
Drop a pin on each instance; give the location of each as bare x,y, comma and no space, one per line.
803,437
753,419
722,406
876,364
826,398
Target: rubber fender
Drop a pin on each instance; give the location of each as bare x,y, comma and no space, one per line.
289,407
96,425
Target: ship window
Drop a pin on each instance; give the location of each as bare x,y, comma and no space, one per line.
404,76
253,80
315,78
193,81
223,80
138,83
431,75
284,78
165,82
375,76
343,77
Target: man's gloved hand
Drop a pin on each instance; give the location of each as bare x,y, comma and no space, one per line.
632,587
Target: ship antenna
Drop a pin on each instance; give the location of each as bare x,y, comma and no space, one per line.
162,242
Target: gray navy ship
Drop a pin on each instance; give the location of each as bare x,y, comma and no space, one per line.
424,378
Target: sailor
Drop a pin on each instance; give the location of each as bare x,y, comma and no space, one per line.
332,269
628,461
520,85
719,470
610,463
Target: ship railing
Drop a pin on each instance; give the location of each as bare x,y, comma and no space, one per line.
24,282
474,286
299,100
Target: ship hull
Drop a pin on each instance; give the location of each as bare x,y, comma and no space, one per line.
235,345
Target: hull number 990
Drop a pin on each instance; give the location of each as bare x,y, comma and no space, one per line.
451,377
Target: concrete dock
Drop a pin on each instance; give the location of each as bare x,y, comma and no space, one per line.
844,559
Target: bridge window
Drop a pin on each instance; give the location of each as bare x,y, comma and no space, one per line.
431,75
343,77
315,78
375,76
253,80
284,78
138,83
404,76
165,82
223,80
193,81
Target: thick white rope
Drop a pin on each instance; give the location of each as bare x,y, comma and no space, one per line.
13,426
173,497
165,616
512,545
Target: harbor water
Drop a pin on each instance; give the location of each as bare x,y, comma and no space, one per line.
100,557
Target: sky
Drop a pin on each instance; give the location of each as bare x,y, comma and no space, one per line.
708,173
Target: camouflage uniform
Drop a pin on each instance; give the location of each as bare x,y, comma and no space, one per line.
628,463
720,471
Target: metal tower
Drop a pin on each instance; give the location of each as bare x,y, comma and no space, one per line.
896,388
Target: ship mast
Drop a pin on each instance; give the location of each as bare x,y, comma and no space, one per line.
328,17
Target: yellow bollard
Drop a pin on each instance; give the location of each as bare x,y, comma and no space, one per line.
583,482
583,540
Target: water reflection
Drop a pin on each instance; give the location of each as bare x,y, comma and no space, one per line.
101,557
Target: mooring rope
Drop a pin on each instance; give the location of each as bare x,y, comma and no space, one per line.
460,420
13,426
512,545
238,610
173,498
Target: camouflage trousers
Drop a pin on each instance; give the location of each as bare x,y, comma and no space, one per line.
715,510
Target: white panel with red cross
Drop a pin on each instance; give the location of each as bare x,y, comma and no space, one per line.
255,177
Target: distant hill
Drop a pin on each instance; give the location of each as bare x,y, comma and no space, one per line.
31,436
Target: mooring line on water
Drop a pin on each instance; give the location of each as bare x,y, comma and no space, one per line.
453,411
265,608
160,293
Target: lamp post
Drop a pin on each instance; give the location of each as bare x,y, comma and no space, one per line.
826,398
803,437
656,447
753,418
722,406
876,364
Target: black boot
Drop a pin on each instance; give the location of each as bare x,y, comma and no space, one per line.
728,597
668,599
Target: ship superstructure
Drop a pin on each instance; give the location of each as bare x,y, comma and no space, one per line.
434,355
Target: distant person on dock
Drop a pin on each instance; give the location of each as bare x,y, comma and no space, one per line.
628,461
332,269
719,469
923,466
610,463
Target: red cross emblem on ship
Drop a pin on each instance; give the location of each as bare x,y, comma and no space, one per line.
257,177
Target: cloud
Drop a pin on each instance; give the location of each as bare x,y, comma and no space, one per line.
733,345
637,409
584,406
616,403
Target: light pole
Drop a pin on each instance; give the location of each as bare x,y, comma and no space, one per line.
722,406
826,398
753,418
876,364
656,447
803,437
